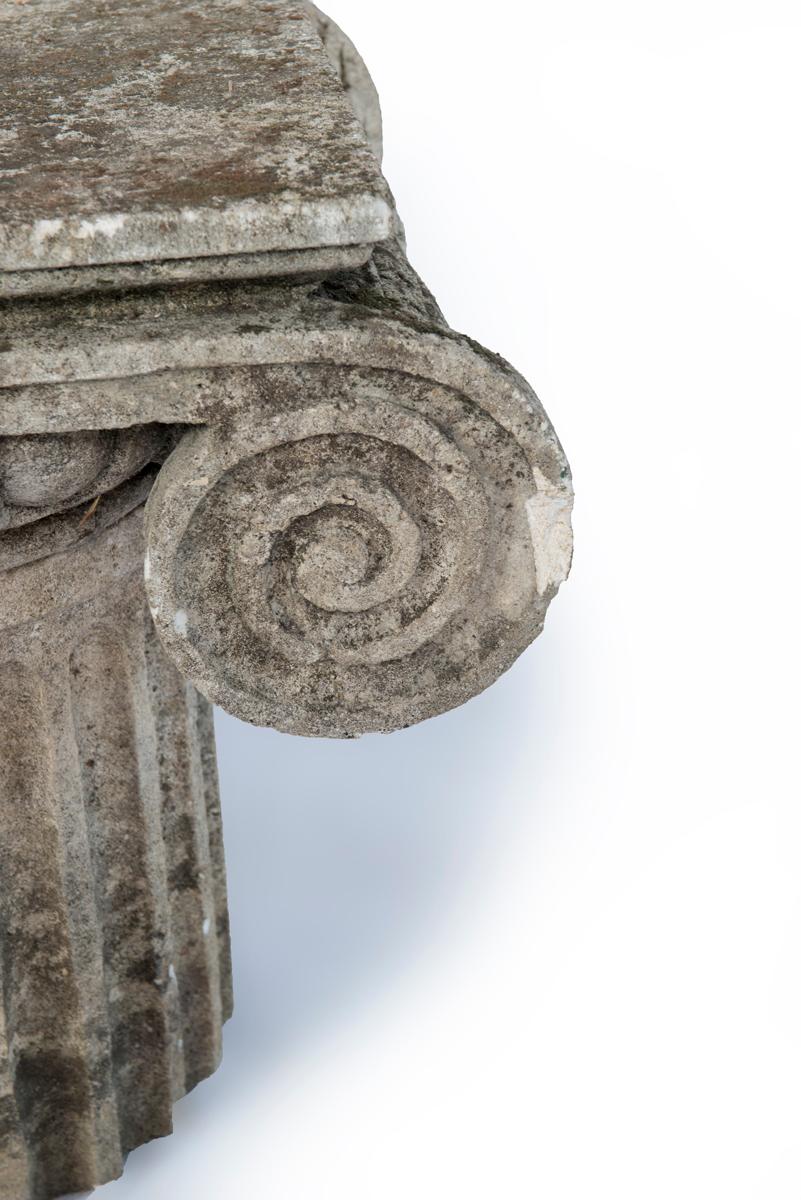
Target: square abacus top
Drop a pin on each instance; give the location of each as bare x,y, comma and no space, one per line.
154,132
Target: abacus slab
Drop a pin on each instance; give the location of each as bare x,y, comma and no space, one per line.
145,131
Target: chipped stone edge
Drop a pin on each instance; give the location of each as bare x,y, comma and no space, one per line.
285,223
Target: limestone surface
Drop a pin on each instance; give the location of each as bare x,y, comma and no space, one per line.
354,76
243,459
348,433
114,947
374,535
175,129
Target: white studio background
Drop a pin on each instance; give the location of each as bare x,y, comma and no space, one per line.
548,947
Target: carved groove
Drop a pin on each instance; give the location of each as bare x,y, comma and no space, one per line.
49,1068
58,489
361,545
128,891
114,950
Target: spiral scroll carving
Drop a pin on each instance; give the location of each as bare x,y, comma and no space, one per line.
357,557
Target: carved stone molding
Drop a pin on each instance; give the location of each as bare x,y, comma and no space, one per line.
55,489
371,538
114,949
243,459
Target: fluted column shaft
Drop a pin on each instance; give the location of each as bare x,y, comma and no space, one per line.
114,949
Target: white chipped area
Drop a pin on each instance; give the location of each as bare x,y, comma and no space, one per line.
44,230
549,517
106,226
206,927
180,622
154,599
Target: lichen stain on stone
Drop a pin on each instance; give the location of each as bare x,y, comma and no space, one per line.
107,113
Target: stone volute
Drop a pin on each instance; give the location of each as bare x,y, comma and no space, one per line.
243,460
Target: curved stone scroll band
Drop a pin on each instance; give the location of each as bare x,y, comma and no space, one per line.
372,541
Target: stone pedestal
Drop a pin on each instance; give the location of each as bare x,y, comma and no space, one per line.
243,459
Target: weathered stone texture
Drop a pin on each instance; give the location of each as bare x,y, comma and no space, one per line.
454,494
369,539
269,264
354,77
179,131
56,489
217,367
114,950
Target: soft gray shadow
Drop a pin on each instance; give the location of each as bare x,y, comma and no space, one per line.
344,861
343,857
